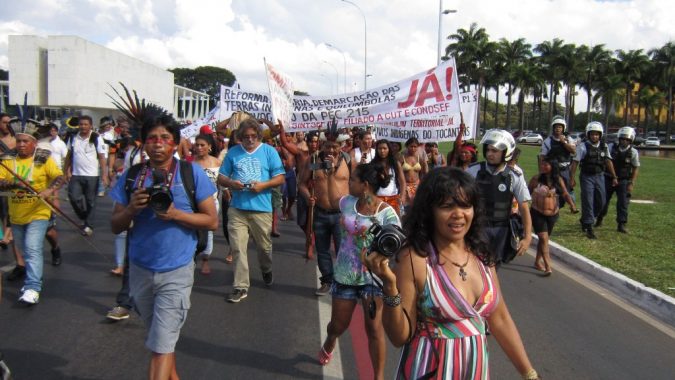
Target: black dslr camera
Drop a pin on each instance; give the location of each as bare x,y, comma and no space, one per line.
160,195
387,239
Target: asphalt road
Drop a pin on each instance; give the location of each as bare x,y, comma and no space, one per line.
571,329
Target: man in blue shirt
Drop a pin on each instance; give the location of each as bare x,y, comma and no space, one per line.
250,170
162,243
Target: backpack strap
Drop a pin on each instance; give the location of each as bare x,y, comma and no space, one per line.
132,177
187,176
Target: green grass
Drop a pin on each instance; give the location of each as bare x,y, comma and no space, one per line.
647,253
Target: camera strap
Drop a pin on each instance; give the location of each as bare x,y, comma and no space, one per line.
140,180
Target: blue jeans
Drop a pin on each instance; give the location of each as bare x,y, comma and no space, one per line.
82,195
30,240
592,197
326,227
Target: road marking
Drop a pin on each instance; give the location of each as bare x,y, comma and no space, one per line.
609,295
333,370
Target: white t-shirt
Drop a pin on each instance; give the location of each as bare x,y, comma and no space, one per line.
85,155
59,151
110,136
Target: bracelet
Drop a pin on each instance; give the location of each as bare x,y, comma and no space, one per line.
392,301
531,375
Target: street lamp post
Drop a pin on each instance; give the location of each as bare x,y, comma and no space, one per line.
337,79
330,82
441,12
365,46
344,60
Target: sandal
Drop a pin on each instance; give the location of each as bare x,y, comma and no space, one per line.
228,259
324,356
547,273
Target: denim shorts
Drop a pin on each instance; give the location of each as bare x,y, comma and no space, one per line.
162,300
354,292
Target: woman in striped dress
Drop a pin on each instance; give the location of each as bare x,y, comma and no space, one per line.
443,290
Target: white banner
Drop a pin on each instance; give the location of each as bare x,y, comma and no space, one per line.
211,119
281,95
426,106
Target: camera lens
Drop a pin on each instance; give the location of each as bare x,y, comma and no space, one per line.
389,245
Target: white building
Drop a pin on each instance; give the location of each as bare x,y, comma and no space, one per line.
71,72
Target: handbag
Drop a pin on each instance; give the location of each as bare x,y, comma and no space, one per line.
516,233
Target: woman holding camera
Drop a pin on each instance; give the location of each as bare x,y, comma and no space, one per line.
352,281
443,291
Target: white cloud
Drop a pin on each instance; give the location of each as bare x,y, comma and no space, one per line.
402,35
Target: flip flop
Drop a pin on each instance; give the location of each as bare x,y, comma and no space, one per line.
228,259
325,357
547,273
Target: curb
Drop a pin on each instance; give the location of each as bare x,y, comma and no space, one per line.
652,301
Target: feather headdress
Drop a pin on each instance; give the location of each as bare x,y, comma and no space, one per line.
136,110
23,124
332,133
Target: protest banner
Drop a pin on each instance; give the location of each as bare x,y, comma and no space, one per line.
281,95
211,119
426,106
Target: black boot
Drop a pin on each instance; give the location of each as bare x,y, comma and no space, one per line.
590,234
622,228
598,221
56,256
18,273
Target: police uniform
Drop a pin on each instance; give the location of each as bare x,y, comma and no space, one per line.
554,149
592,161
624,161
497,190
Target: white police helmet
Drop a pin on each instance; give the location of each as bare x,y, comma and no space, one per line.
501,140
626,133
559,120
594,126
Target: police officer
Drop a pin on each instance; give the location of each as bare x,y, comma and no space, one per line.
594,158
626,161
561,148
498,185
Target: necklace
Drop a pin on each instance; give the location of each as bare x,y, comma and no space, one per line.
462,272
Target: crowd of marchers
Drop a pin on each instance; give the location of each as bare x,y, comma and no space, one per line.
452,220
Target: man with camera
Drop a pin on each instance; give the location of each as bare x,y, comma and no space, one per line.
156,208
84,163
250,170
328,175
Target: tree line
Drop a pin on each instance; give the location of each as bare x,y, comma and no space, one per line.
554,69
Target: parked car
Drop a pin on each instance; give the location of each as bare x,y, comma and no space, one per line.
532,138
638,141
652,141
577,136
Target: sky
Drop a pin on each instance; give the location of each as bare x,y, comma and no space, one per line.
292,35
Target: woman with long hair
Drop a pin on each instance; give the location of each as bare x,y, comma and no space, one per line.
413,168
546,188
443,290
205,155
463,153
394,193
352,282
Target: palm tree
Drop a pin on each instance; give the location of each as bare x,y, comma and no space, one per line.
630,65
664,59
549,51
513,53
473,49
608,88
570,69
593,58
652,100
528,79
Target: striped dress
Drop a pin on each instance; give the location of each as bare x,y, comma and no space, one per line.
451,337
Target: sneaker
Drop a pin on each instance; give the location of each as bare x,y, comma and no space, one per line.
87,231
101,193
598,221
268,278
56,256
590,234
323,290
30,297
118,313
237,295
622,228
18,273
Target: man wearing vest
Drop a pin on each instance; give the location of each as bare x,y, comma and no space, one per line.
498,185
84,162
250,170
626,161
594,159
560,148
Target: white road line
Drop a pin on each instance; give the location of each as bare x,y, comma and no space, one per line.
333,370
608,295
